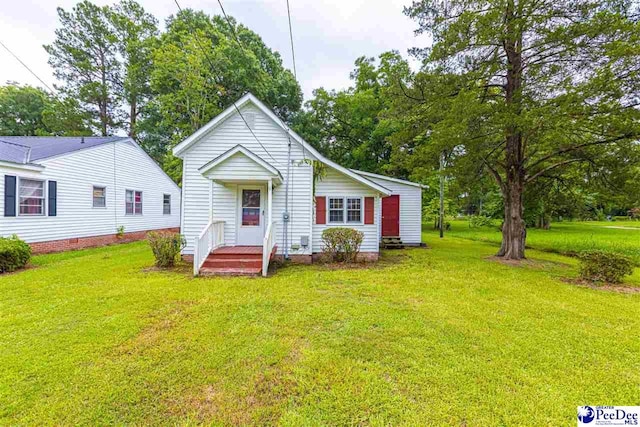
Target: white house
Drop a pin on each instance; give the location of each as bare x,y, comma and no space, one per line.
63,193
248,192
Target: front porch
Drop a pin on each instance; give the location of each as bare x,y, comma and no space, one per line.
239,238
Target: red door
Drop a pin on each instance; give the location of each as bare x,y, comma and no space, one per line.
391,216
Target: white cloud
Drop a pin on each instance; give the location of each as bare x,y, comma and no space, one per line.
328,35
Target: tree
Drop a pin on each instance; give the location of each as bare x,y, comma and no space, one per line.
136,33
84,57
528,89
21,110
349,126
200,69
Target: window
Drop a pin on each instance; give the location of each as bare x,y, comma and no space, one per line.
133,202
336,210
251,207
345,209
99,197
31,200
166,204
354,209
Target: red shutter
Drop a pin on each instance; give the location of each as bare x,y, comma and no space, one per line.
368,210
321,210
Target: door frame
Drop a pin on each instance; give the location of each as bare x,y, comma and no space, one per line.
263,208
397,197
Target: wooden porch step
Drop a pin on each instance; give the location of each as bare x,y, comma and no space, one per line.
213,262
392,242
246,271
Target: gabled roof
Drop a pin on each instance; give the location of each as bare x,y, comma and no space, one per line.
179,149
388,178
239,149
34,148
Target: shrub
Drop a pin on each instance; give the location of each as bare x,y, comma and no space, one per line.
601,266
480,221
165,247
14,254
342,244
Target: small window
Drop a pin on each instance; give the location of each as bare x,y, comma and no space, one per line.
133,202
31,198
336,210
250,207
99,197
166,204
354,210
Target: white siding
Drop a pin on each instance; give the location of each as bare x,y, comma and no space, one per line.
339,185
225,136
410,209
76,174
239,166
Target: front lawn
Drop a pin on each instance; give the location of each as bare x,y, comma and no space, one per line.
428,336
563,237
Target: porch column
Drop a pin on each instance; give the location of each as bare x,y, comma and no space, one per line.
269,199
210,200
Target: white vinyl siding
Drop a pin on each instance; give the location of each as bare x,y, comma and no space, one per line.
76,174
197,189
340,186
410,209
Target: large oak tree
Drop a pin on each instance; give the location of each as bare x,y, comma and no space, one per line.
530,88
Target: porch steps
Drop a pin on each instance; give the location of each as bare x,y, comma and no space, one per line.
234,261
392,242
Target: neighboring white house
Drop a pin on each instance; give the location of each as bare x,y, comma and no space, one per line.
61,193
235,195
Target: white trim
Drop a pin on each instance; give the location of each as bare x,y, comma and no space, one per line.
22,166
388,178
242,150
179,149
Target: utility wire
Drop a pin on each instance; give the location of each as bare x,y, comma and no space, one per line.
293,52
204,51
27,67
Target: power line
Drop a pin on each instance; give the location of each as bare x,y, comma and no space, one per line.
293,52
204,51
27,67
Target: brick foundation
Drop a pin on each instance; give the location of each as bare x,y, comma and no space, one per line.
296,259
90,242
362,256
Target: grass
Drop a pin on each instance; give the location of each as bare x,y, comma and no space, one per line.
428,336
564,237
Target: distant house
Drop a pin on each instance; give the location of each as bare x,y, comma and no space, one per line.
238,209
60,193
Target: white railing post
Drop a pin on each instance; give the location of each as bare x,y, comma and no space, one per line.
212,237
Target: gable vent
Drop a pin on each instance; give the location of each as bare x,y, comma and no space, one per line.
250,118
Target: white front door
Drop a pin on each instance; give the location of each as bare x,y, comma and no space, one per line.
250,215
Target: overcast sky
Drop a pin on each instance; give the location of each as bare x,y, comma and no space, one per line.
328,35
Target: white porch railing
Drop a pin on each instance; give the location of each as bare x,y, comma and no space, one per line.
267,246
212,237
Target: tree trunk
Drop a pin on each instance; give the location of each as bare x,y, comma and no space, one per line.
513,230
132,118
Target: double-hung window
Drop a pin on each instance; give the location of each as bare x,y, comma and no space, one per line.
345,210
99,197
166,204
31,197
336,210
133,202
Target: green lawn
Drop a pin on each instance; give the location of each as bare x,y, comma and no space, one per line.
428,336
563,237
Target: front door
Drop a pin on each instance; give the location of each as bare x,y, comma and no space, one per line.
250,215
391,216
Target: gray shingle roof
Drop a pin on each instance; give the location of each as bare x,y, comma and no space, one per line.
29,149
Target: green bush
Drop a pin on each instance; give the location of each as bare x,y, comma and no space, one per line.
14,254
342,244
480,221
601,266
166,247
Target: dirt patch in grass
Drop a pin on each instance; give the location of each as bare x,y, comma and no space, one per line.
160,324
529,263
608,287
259,401
180,267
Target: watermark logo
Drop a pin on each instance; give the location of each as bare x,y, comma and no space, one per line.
589,416
586,414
